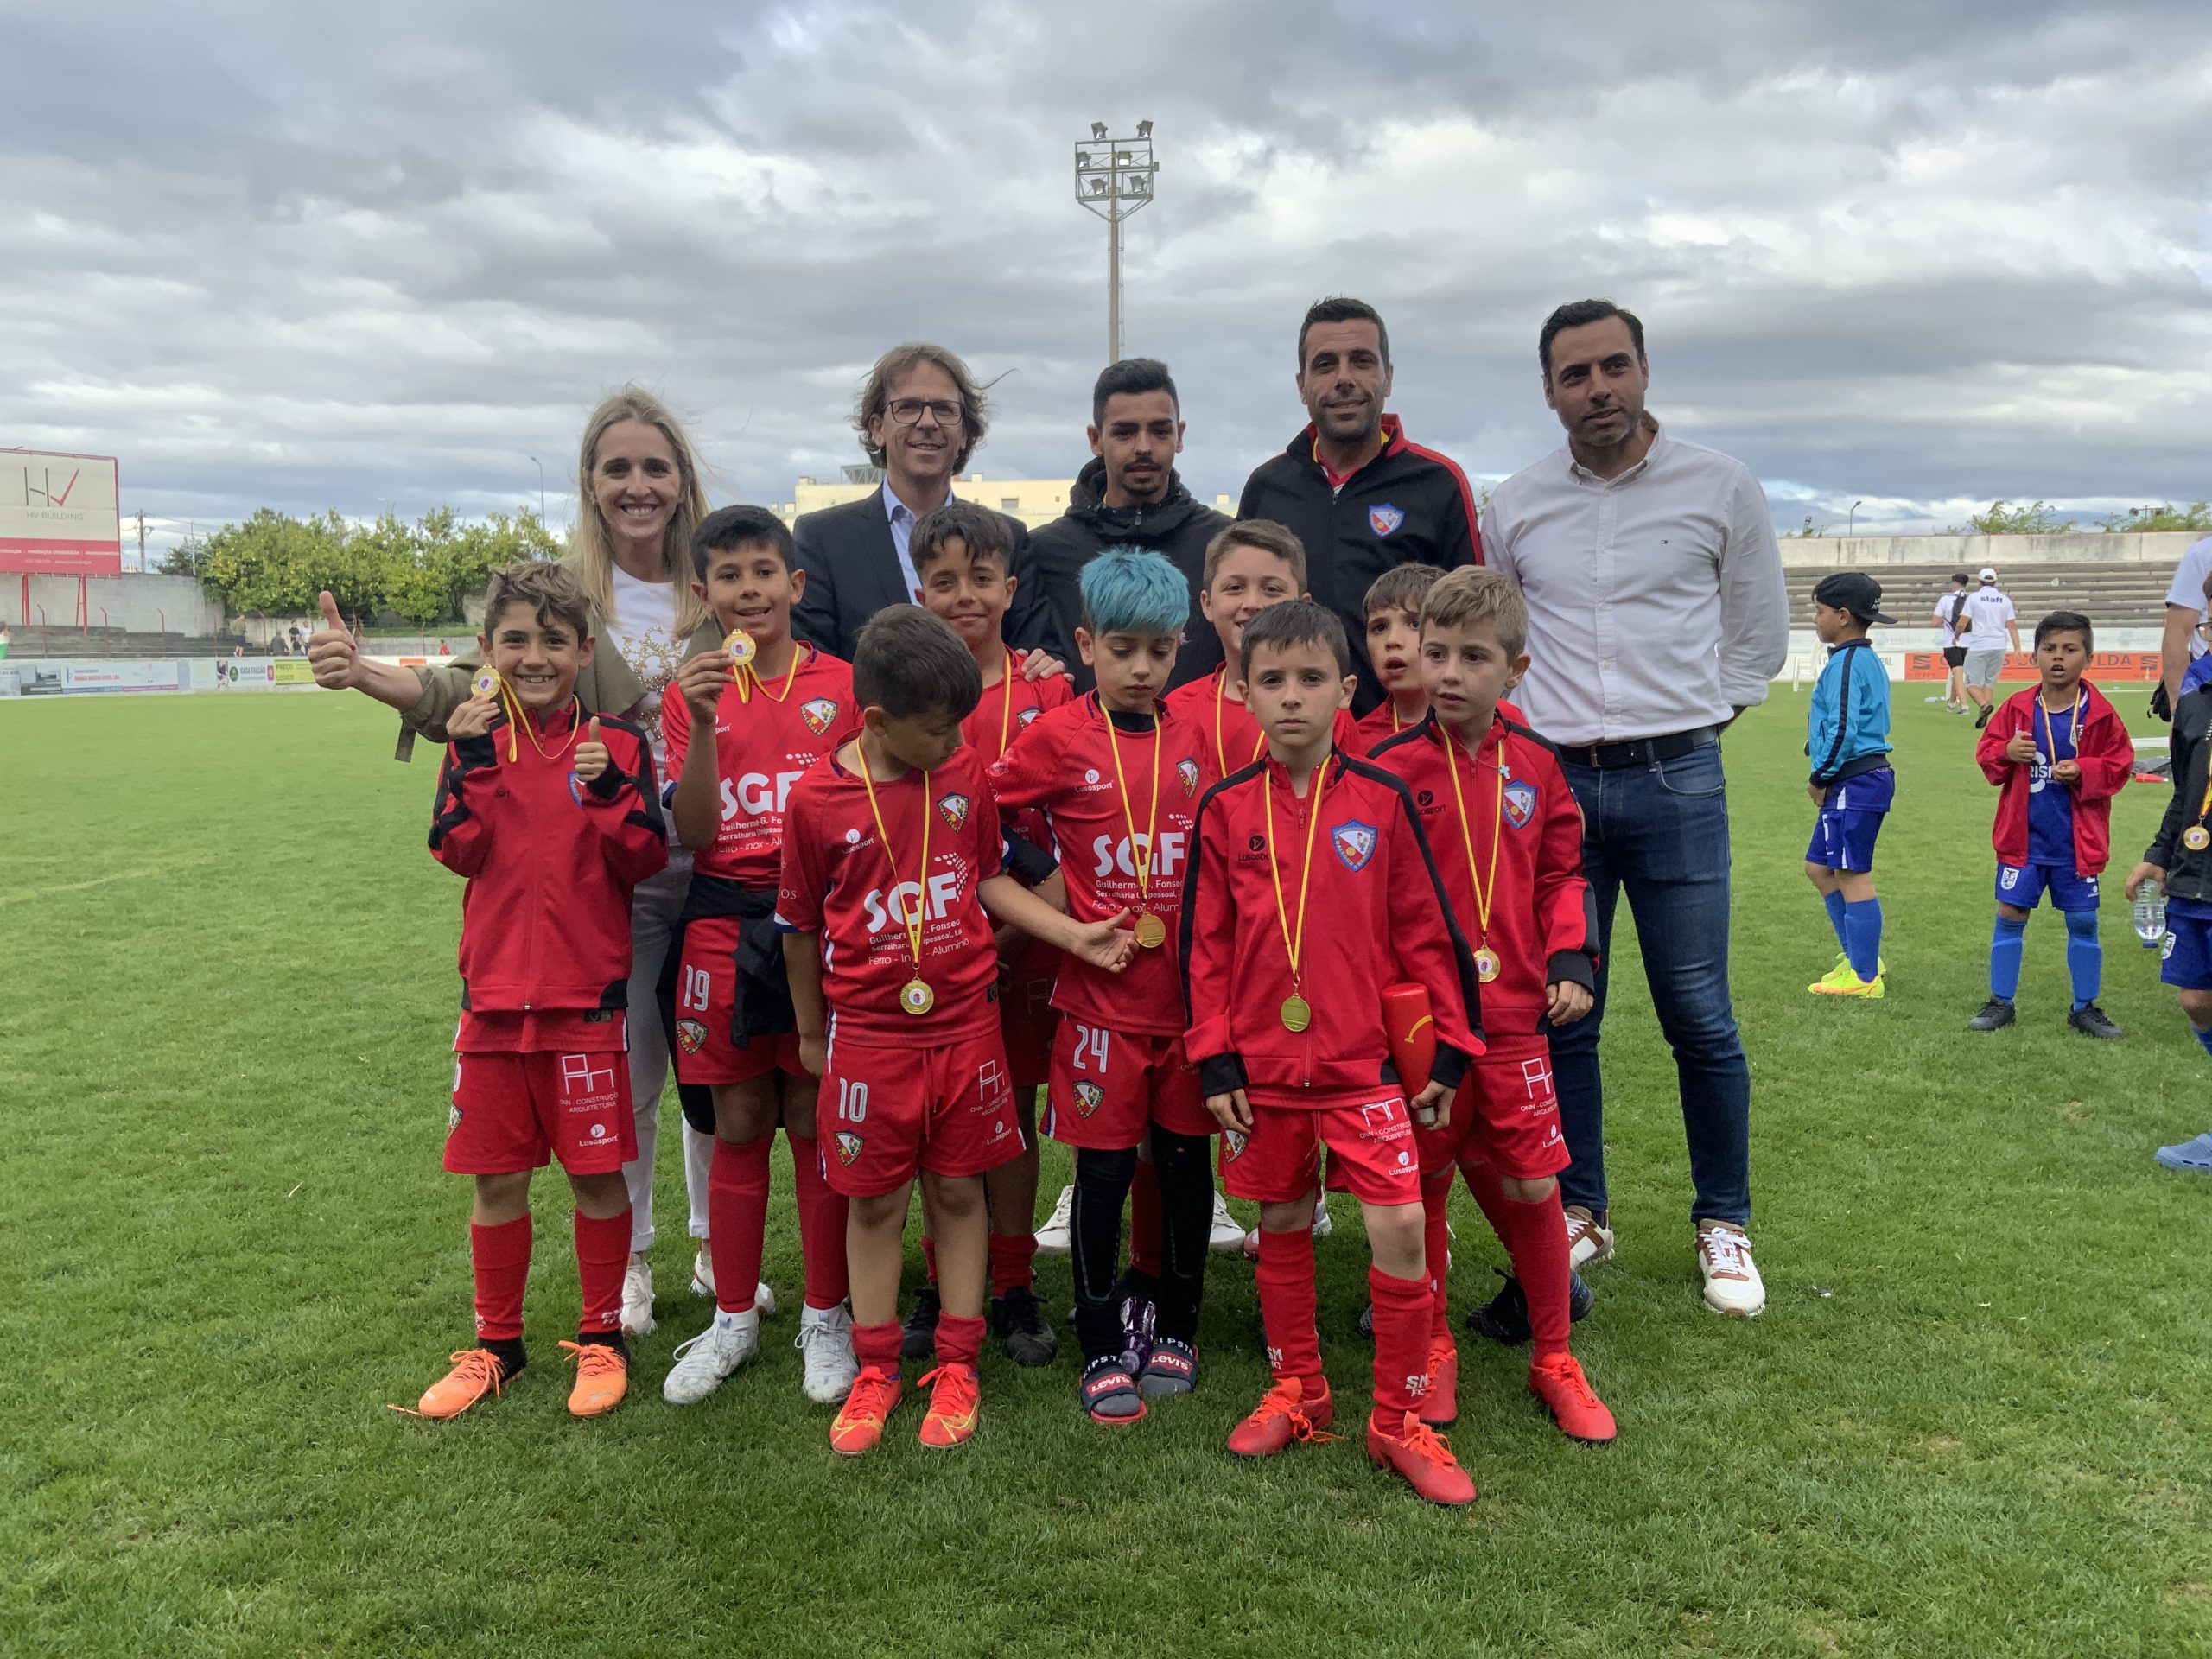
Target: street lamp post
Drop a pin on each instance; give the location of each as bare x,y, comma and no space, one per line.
540,465
1113,179
1852,518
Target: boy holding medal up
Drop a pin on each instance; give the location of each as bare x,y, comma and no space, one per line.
891,856
1286,1029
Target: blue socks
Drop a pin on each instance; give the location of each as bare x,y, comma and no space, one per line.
2005,946
2205,1038
2085,956
1834,902
1862,937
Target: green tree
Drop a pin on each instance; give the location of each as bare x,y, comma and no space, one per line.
2005,519
2197,515
1807,532
272,562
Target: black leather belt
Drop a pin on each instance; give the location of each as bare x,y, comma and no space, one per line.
1641,752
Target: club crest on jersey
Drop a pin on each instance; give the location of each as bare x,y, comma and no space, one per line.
1187,769
1232,1142
1088,1095
1383,518
848,1145
690,1035
1520,802
954,809
1355,843
818,713
1027,715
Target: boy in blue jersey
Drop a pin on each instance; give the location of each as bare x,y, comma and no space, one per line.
1847,739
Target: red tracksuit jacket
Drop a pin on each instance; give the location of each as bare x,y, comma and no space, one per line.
551,862
2107,754
1376,916
1543,922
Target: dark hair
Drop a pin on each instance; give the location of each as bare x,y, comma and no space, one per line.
740,526
550,590
2066,622
982,531
1296,622
1131,374
1401,587
1577,314
908,663
1339,307
1960,578
874,396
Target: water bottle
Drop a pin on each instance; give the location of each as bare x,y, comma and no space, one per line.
2151,914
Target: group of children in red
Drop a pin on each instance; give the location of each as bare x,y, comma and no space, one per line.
934,880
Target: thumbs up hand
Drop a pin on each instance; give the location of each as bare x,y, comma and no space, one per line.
592,758
333,657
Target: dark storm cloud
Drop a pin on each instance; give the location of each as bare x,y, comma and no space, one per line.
314,256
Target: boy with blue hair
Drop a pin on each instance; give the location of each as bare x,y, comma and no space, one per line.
1847,739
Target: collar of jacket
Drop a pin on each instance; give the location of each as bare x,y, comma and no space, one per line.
2095,706
1838,650
1087,502
1301,448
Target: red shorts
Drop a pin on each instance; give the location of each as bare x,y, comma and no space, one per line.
1109,1087
706,997
885,1112
513,1112
1028,1018
1505,1114
1281,1159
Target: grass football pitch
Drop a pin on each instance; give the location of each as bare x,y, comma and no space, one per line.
1972,1420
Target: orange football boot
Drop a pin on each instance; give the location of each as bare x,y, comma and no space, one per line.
1582,1415
602,1378
1421,1454
956,1397
476,1372
868,1405
1283,1415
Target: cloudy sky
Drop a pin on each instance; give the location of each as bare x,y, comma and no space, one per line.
1920,255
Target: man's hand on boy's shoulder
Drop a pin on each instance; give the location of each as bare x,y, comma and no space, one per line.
1040,664
701,680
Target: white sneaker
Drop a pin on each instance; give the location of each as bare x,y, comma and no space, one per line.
1732,1285
825,1341
1588,1239
1322,1225
638,1298
702,1271
704,1361
1052,1236
1251,1245
1228,1235
764,1300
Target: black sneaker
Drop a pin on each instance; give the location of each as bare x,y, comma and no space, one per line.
1995,1015
1982,719
920,1341
1366,1323
1020,1327
1504,1317
2092,1022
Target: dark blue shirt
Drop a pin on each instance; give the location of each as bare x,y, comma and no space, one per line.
2050,804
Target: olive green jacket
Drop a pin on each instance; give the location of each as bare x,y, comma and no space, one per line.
607,685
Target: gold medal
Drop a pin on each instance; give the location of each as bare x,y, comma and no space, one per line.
916,997
740,647
2197,838
1152,932
486,685
1296,1015
1486,964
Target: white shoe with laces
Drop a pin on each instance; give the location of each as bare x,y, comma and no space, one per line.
1227,1237
1052,1236
1732,1285
704,1361
1588,1239
1322,1225
825,1345
703,1284
638,1298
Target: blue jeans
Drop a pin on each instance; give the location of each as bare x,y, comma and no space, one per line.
1662,833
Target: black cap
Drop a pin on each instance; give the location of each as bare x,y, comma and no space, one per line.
1854,591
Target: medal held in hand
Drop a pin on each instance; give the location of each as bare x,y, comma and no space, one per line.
486,685
1151,932
739,644
1297,1013
915,997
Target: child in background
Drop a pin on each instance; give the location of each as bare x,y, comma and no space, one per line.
2180,858
1847,739
554,822
1393,604
2057,754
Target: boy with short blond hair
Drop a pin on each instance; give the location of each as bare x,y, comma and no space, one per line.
1393,639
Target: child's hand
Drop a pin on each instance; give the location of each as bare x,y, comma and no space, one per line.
592,758
1818,791
1041,665
2144,872
1568,1002
2020,749
701,679
1105,945
1231,1110
1433,1106
2068,772
472,719
813,1052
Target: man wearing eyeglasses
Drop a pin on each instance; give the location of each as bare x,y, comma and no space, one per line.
920,415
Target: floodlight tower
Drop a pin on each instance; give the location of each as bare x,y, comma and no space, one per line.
1113,178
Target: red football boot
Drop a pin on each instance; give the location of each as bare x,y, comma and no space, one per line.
1421,1455
1284,1415
1440,1407
1582,1415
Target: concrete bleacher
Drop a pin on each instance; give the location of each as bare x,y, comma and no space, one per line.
2113,595
125,644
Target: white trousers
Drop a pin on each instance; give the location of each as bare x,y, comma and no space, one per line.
654,910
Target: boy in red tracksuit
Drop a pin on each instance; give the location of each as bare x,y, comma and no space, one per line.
1508,839
1287,1029
2057,752
554,822
1393,610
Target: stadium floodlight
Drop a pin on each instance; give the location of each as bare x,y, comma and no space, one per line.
1113,183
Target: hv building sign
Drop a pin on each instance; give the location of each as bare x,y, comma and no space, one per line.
60,515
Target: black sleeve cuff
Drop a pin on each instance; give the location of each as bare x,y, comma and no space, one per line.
1449,1065
1026,861
476,751
1222,1074
1572,968
609,783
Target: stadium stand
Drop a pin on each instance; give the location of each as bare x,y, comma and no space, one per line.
2113,595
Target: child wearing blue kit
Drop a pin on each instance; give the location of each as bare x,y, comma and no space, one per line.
2180,857
1847,739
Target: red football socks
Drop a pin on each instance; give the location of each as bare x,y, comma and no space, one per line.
1286,1306
1144,1220
603,1255
1011,1256
1482,1181
1436,1247
1540,1262
878,1345
1402,1319
959,1342
737,1220
500,1257
821,1225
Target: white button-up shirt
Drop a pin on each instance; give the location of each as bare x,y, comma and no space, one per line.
903,521
1655,598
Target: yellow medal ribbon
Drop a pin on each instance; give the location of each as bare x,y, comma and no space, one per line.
1487,965
915,995
743,672
518,719
1006,699
1296,1013
1151,932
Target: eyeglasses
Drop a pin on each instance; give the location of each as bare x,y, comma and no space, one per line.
907,411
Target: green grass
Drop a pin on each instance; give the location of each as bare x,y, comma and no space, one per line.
1972,1420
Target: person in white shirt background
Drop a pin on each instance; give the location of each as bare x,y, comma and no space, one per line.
1990,626
1950,617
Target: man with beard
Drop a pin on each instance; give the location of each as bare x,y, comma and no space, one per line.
1130,495
1354,489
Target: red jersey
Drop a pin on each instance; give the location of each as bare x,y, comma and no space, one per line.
1009,708
551,862
839,880
1376,915
1521,842
1065,765
768,734
1233,736
1382,723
